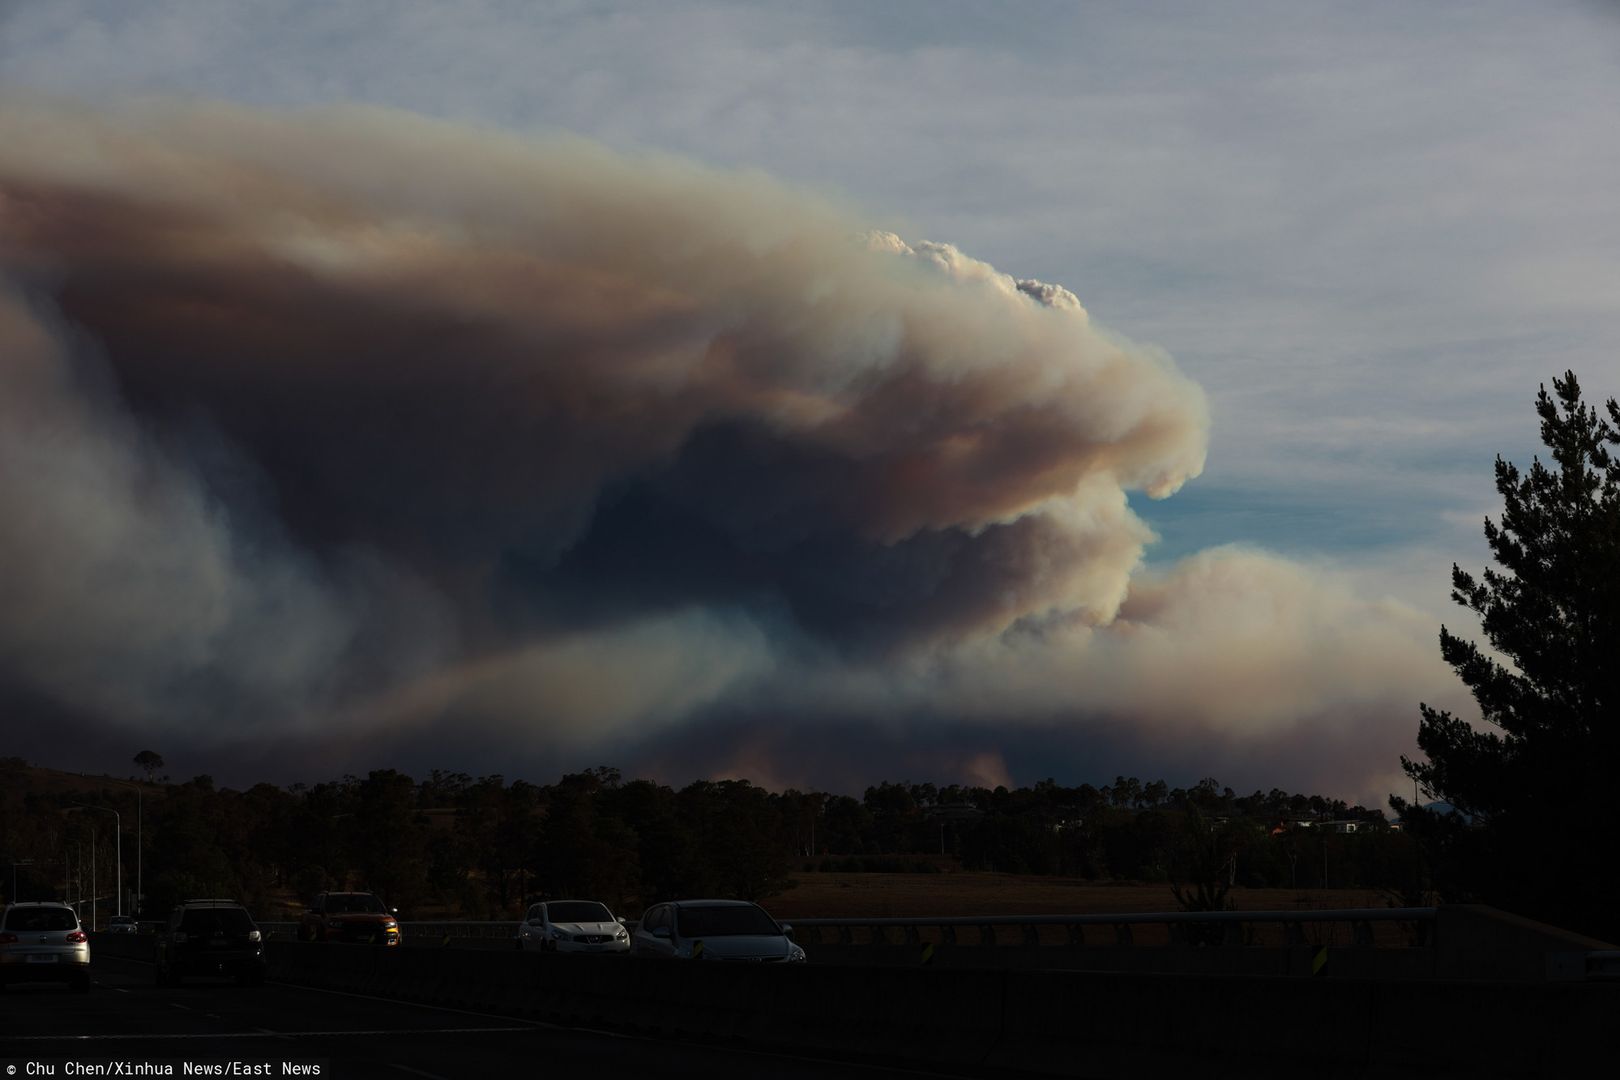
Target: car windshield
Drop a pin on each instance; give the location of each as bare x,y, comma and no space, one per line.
578,911
701,922
216,921
50,918
351,903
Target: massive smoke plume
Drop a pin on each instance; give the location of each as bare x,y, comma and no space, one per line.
315,423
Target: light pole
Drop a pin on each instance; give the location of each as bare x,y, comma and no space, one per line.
16,863
118,837
140,843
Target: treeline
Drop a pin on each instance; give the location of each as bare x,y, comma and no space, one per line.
481,847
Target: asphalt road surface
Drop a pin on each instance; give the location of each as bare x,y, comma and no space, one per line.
135,1028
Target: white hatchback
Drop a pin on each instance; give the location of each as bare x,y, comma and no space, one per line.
43,942
572,926
733,930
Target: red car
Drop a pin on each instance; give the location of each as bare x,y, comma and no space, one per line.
349,916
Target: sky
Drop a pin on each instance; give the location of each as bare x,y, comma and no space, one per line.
813,393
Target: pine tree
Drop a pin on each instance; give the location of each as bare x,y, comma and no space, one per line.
1537,825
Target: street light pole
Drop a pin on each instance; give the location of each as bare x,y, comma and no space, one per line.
118,837
140,843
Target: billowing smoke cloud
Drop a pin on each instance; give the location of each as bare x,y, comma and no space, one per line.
319,422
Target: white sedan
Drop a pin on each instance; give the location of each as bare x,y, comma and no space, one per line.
572,926
715,930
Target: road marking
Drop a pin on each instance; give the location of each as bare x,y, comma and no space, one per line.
258,1033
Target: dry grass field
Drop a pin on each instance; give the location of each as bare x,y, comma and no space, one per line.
961,894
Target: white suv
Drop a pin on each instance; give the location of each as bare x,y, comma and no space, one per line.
41,942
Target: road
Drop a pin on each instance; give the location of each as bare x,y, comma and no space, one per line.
284,1030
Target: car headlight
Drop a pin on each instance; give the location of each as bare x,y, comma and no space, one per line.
334,924
253,935
795,954
390,925
621,934
557,934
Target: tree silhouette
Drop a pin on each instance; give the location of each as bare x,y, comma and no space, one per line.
150,760
1535,829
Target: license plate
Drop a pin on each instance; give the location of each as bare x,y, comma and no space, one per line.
47,958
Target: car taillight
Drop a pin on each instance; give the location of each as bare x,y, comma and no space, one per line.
78,937
8,939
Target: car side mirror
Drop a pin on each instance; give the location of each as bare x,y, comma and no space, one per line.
787,930
393,911
661,932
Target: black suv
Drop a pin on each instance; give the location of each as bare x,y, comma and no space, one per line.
210,937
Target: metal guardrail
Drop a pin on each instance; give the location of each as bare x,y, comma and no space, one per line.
457,929
1184,927
879,929
1231,924
461,929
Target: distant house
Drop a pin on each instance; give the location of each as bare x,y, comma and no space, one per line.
1342,826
